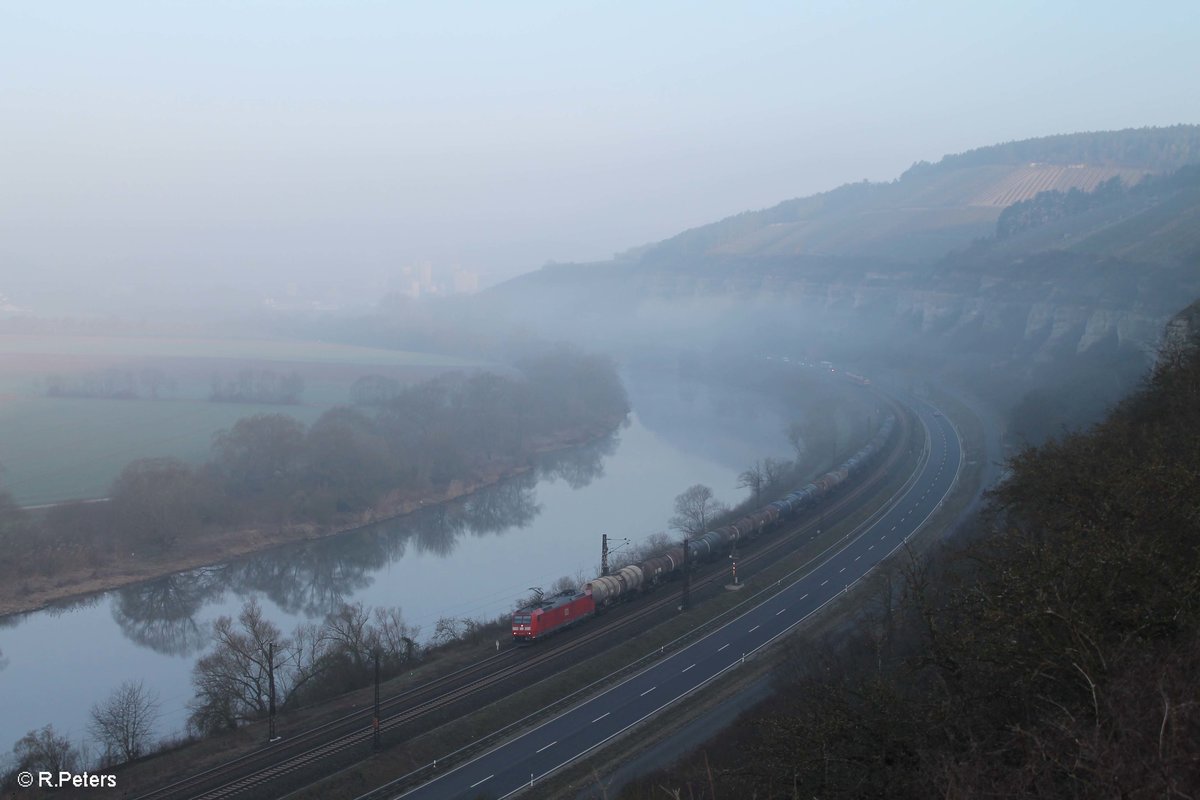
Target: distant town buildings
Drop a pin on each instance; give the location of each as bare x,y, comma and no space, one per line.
421,280
465,281
7,307
413,281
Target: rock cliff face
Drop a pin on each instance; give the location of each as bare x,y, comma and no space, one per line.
924,264
1183,330
1037,320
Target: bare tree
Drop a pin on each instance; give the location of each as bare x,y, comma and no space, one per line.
125,721
447,630
564,584
350,634
233,681
753,479
45,750
795,435
774,470
694,510
397,641
470,629
655,544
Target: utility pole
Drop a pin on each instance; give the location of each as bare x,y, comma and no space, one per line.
271,689
686,601
605,551
375,723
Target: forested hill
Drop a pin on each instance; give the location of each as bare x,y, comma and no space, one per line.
932,208
1058,655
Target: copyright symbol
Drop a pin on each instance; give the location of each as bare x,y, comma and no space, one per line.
25,780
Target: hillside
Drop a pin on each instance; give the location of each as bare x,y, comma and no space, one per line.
933,208
931,270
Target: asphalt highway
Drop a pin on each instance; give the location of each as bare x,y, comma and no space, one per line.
531,757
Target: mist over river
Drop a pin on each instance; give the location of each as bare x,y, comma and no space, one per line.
472,558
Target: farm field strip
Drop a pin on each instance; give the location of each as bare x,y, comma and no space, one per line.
54,449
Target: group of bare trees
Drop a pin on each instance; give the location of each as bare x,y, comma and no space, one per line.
234,680
45,749
765,477
122,725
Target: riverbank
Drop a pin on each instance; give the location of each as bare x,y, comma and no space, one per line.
34,591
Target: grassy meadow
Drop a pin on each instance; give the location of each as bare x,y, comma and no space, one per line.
63,448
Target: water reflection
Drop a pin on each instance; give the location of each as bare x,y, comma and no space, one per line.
161,614
581,465
315,578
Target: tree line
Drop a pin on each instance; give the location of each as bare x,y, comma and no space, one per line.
1053,653
112,384
272,469
1156,149
262,386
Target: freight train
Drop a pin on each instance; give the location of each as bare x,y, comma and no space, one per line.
559,611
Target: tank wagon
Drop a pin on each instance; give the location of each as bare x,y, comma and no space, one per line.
536,621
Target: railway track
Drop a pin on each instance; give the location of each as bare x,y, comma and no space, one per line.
290,763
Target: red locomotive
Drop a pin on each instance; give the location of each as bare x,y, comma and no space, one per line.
553,613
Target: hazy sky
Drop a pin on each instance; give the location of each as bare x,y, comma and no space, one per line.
345,138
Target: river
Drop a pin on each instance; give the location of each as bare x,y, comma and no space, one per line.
473,558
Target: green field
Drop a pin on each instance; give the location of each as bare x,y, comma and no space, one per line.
54,448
